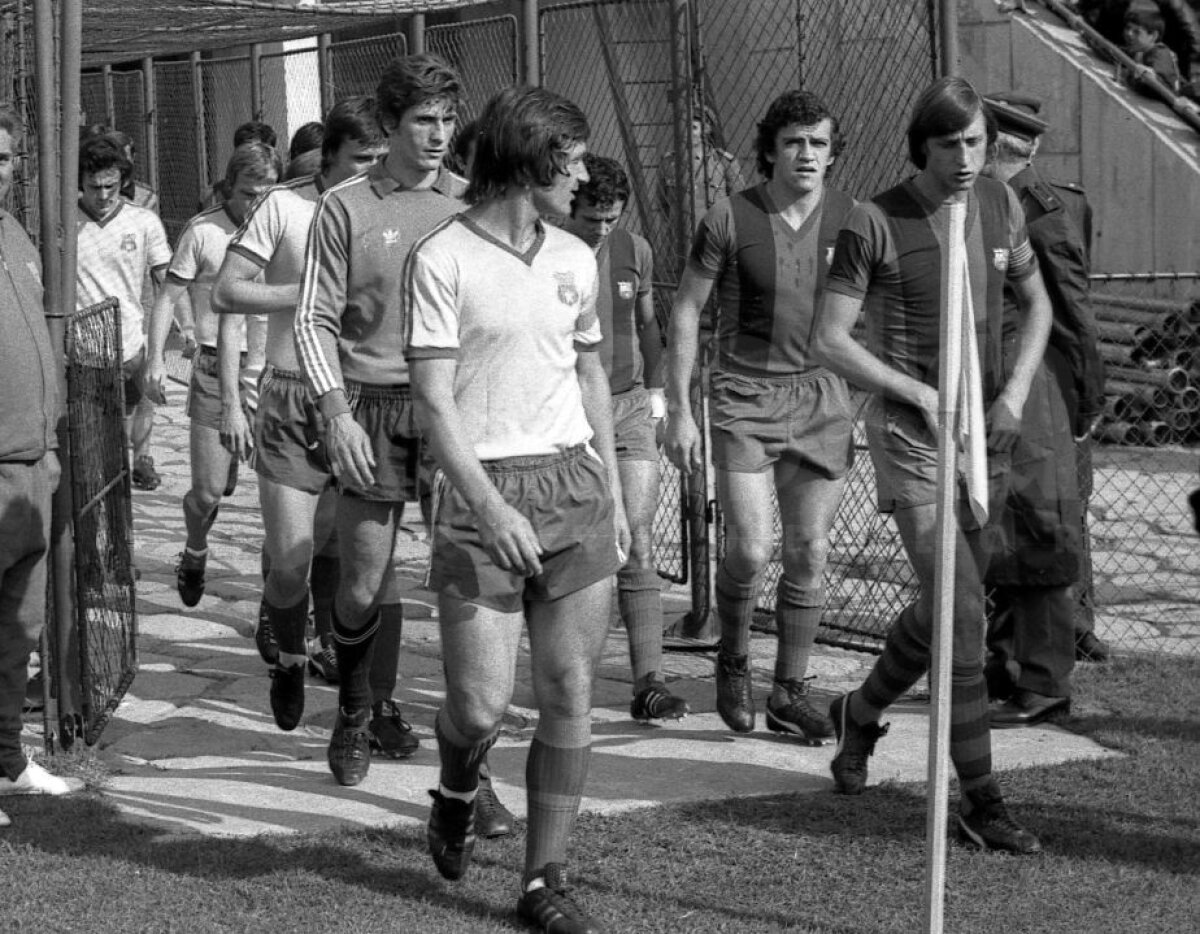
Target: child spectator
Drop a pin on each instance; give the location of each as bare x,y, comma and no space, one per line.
1143,43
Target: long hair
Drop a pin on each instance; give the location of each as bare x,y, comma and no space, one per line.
524,136
949,105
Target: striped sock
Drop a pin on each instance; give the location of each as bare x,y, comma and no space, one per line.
461,757
970,730
640,602
797,615
735,609
353,650
555,774
904,660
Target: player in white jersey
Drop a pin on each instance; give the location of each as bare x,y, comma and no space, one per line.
528,524
201,250
118,244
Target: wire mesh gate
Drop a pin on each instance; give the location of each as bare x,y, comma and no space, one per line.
105,601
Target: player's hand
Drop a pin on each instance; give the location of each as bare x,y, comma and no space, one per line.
927,405
1003,425
154,373
236,436
683,443
510,539
624,535
54,468
350,453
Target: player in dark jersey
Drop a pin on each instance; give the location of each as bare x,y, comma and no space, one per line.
888,263
780,422
632,353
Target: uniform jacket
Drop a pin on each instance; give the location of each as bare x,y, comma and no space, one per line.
1059,220
28,377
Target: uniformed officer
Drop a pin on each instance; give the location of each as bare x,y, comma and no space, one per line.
1031,634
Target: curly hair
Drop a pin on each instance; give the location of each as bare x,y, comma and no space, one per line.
792,107
607,183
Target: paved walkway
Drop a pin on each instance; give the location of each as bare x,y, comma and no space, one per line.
193,747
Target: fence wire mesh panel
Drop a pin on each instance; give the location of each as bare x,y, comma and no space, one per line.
227,104
100,486
92,99
868,60
129,112
356,64
18,84
179,181
485,53
614,61
1144,590
291,91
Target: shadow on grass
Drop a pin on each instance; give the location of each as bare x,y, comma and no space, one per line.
393,863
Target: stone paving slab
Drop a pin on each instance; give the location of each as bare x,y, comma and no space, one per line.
193,748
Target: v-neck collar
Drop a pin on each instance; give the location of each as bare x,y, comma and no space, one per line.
805,225
106,221
526,257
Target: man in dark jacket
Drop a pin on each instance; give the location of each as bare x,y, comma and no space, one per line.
1040,555
28,475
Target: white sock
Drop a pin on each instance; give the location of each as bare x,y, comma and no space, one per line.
467,796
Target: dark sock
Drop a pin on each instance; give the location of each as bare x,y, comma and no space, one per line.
353,649
288,625
324,582
385,662
735,609
461,758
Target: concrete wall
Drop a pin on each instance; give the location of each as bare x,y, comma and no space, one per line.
1138,163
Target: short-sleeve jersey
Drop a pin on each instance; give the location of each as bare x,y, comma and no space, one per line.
197,260
890,253
768,277
348,322
626,270
113,257
514,323
275,232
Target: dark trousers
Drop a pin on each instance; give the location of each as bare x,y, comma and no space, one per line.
25,491
1031,633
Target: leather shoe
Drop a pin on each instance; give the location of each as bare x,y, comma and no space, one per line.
1089,648
1026,708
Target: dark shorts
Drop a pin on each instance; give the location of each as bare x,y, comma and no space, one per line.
386,414
905,456
204,389
633,428
289,434
131,372
566,499
759,421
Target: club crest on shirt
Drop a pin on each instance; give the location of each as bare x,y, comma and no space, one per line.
129,243
625,289
391,236
1000,259
568,292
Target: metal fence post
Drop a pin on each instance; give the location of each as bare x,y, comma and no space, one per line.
150,99
110,106
325,71
948,36
531,28
256,104
200,125
416,33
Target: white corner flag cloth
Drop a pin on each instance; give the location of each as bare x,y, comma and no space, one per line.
972,424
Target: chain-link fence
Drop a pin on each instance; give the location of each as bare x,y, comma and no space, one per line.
486,54
181,184
1144,589
356,64
105,601
228,103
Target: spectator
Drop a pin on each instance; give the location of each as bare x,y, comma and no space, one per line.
715,173
1143,44
304,152
29,473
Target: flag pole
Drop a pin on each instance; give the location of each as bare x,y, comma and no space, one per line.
950,371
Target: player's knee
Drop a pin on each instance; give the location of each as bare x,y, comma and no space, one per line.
804,559
285,582
746,557
477,711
